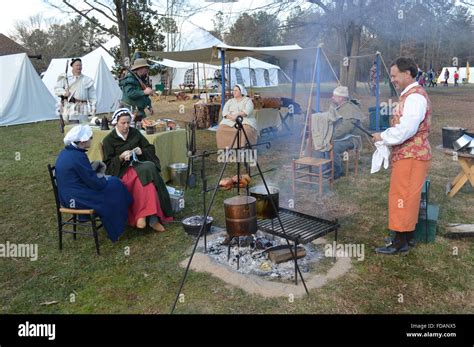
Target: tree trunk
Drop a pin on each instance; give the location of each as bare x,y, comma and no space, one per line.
121,14
341,34
355,33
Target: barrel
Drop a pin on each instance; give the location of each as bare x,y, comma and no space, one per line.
451,134
241,215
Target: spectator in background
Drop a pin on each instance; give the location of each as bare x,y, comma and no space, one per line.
456,78
432,78
446,77
419,73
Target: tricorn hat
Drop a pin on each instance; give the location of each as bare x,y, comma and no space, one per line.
138,63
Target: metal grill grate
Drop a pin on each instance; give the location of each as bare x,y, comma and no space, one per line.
299,227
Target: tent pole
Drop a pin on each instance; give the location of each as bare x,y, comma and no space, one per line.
222,77
230,75
197,72
293,80
377,92
205,83
318,79
250,75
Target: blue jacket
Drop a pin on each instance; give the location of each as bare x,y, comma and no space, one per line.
79,187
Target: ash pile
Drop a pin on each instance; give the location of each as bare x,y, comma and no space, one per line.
263,255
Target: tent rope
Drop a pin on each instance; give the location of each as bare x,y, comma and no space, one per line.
388,73
334,72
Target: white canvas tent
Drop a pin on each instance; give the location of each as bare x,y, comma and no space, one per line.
248,71
23,97
183,72
101,52
255,73
462,74
107,88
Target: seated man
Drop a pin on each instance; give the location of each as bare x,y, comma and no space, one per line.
342,112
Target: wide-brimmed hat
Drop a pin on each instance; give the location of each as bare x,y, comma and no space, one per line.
341,91
138,63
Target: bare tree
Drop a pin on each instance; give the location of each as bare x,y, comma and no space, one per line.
348,18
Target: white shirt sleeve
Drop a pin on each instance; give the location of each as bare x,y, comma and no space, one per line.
413,114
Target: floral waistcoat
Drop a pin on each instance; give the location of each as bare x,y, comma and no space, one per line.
416,146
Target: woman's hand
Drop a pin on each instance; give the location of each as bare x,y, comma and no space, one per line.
233,116
125,155
138,151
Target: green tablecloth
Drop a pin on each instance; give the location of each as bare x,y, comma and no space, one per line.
170,147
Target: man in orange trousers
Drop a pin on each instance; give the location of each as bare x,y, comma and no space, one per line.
410,155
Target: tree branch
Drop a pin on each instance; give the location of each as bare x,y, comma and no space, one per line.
111,32
321,5
102,12
107,7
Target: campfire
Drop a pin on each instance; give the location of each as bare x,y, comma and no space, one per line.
262,255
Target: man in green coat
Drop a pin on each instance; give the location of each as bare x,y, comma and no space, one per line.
136,97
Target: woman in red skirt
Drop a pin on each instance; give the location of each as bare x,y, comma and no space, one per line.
130,156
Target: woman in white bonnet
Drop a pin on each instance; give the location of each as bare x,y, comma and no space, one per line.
130,156
79,186
239,105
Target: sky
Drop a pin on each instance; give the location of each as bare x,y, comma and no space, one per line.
21,10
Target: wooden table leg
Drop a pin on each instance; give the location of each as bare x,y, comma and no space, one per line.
467,166
457,178
458,186
467,173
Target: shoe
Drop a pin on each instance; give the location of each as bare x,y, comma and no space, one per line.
399,245
141,223
388,241
158,227
390,250
410,237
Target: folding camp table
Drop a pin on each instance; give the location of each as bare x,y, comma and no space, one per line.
466,161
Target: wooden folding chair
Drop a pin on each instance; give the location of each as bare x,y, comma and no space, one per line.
74,219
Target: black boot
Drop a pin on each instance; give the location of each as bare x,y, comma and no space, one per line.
399,245
410,236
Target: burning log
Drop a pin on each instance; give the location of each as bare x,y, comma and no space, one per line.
280,254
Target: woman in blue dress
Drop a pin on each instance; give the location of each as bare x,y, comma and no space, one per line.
79,186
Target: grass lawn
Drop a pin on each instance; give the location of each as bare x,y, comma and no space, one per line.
431,278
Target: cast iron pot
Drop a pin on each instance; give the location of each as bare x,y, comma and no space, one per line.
264,204
192,225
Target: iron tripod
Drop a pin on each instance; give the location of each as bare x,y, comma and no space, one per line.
240,130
